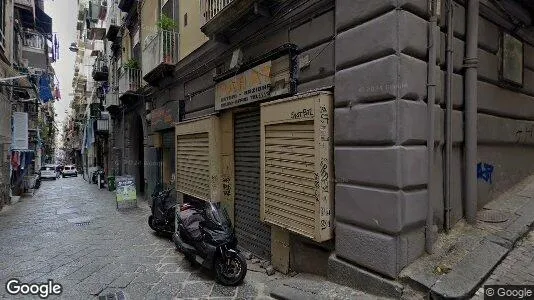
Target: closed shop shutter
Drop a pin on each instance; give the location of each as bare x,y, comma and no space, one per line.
297,168
193,167
289,175
253,235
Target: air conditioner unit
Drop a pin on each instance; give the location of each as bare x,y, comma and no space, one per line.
296,186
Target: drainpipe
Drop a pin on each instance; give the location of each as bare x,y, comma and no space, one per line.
431,99
448,120
470,65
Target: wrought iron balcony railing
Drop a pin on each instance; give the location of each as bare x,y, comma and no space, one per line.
129,80
102,124
210,8
228,16
113,20
112,99
33,40
160,48
100,69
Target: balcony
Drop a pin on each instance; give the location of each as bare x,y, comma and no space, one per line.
113,21
100,69
102,124
111,102
160,55
129,82
33,50
222,17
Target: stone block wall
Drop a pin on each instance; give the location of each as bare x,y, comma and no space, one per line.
380,133
381,124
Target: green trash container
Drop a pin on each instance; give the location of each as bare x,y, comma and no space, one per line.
111,183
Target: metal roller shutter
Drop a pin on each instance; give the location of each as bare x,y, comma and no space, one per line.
289,175
253,235
193,169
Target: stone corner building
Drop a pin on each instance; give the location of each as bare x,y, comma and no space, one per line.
229,79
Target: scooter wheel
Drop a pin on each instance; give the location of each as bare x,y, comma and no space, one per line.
232,272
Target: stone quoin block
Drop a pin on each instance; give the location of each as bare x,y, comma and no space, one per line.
358,124
397,166
382,253
366,207
389,33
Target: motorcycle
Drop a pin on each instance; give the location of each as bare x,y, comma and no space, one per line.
205,236
163,207
99,178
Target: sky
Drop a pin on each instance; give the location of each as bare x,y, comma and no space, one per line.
64,17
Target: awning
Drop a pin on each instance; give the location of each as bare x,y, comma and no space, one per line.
43,23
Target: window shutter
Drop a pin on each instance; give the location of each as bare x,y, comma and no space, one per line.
20,130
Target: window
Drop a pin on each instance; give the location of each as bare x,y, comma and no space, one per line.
185,19
512,60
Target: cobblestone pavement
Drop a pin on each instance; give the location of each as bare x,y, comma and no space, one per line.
516,269
71,232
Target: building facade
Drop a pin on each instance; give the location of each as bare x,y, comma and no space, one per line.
31,92
6,57
309,120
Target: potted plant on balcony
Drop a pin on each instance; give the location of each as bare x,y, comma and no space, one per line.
131,64
167,26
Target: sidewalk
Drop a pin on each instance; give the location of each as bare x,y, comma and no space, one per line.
467,256
516,269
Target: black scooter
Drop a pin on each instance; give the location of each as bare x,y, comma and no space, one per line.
163,211
205,236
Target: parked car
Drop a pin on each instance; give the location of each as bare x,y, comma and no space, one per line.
70,170
49,171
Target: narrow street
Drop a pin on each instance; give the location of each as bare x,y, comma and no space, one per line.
71,232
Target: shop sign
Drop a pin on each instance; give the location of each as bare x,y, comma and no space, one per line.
258,83
126,192
164,117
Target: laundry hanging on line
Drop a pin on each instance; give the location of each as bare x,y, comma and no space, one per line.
44,88
56,48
